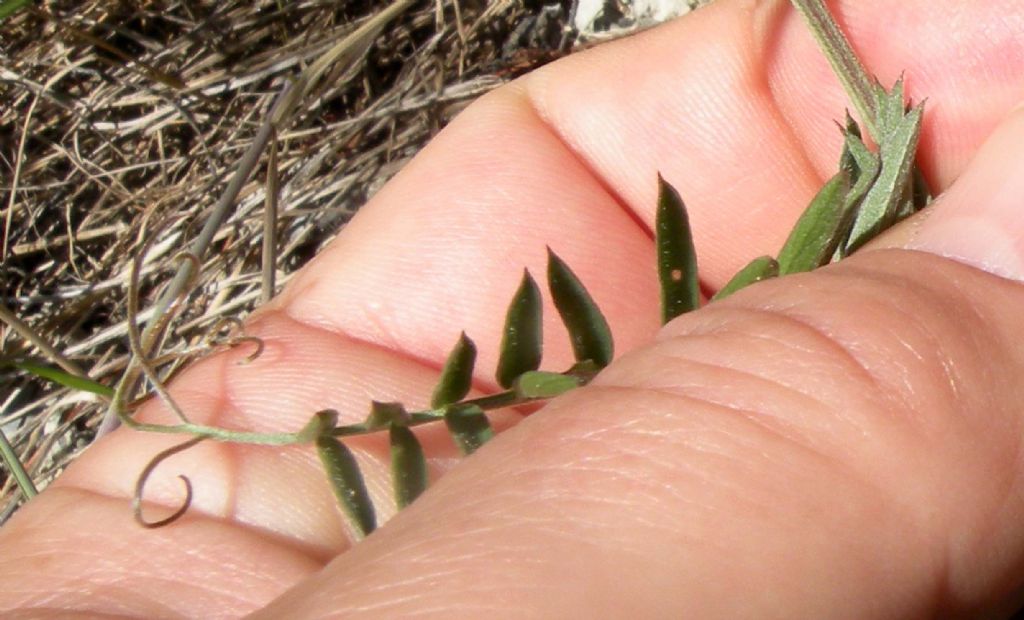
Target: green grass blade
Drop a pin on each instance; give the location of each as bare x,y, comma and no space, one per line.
62,378
816,234
457,375
10,458
469,427
541,384
761,268
408,465
521,341
677,258
347,483
10,7
588,330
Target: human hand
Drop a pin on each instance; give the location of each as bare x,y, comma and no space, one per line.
844,443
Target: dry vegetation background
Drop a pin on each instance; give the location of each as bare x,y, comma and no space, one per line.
116,112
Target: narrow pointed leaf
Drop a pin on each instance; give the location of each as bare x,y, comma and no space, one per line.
469,427
541,384
408,465
761,268
385,414
677,258
816,234
879,207
521,342
62,378
347,483
588,330
847,161
863,167
890,110
457,375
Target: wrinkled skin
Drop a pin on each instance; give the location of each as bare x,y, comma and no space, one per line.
840,444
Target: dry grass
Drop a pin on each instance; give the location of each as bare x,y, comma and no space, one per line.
117,112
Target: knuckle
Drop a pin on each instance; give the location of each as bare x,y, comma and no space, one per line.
840,357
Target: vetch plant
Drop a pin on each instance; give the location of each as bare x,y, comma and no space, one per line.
871,189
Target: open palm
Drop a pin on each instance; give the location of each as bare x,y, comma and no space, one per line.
791,452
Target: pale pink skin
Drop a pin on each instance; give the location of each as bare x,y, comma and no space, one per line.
843,444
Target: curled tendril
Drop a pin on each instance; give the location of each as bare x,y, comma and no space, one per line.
140,485
234,337
142,343
258,342
233,324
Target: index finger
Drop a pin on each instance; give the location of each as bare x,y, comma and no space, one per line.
733,104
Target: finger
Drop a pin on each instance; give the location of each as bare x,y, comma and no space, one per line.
980,220
744,124
846,443
733,104
260,514
441,249
98,563
273,497
959,56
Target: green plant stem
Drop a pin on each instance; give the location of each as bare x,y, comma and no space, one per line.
216,433
28,488
854,77
494,401
501,400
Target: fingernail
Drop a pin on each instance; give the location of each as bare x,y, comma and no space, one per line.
980,219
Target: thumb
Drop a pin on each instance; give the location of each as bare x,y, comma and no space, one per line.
845,443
